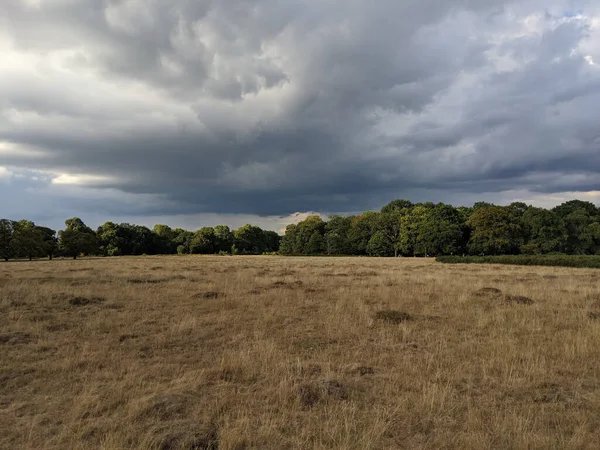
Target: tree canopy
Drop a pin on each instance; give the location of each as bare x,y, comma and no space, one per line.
400,228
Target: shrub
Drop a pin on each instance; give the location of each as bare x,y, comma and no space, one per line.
559,260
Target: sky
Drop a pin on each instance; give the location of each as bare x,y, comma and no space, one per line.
200,112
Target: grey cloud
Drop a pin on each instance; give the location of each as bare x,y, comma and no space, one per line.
263,107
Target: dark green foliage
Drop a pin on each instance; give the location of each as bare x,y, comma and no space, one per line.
316,244
204,241
495,231
336,235
7,228
428,229
49,241
297,239
527,260
77,238
27,239
380,245
401,228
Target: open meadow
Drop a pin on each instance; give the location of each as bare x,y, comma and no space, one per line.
235,353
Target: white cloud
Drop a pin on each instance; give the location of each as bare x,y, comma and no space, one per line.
5,173
82,179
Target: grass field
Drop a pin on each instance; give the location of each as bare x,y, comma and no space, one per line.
297,353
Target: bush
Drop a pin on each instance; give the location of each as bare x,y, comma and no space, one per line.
589,261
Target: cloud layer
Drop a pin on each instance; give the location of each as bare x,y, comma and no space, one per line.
263,107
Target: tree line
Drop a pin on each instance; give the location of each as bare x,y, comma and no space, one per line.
428,229
25,239
401,228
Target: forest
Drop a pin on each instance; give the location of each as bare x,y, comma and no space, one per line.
25,239
400,228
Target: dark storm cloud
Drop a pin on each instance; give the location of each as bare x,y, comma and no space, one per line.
268,107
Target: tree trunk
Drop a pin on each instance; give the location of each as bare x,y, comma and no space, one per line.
395,253
75,257
30,257
50,257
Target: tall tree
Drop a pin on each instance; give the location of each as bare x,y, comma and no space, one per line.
27,239
361,231
336,236
49,240
397,205
441,231
204,241
7,228
77,238
495,231
165,239
288,242
223,238
411,238
544,230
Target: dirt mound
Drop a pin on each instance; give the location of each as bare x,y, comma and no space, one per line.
186,435
207,295
145,280
15,338
488,292
359,369
256,291
83,301
392,316
127,337
518,299
288,285
312,393
53,327
594,315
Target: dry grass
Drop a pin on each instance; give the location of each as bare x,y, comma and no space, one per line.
297,353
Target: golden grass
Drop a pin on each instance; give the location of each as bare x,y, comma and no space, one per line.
297,353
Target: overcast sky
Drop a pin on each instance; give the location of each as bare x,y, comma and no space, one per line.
198,112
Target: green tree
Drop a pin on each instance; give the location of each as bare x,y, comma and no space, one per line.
566,208
288,242
380,245
109,240
580,240
361,231
77,238
397,205
272,241
49,241
336,235
315,245
495,231
544,230
204,241
249,240
6,236
223,238
27,239
182,241
441,231
304,231
164,238
411,236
